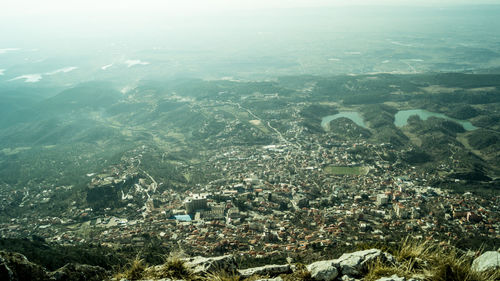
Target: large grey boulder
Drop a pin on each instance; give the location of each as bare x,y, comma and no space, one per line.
16,267
323,270
267,270
353,264
202,265
488,261
79,272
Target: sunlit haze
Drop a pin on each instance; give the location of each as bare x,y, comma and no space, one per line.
249,139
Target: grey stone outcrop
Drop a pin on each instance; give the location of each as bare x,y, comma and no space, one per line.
352,264
396,278
16,267
79,272
392,278
488,261
202,265
323,270
267,270
348,278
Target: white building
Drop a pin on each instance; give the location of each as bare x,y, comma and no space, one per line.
195,202
382,199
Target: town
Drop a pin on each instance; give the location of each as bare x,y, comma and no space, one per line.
262,172
273,199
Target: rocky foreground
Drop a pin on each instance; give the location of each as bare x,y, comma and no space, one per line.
350,266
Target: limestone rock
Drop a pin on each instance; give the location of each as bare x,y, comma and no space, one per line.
392,278
352,264
348,278
16,267
395,278
323,270
79,272
271,279
267,270
488,261
202,265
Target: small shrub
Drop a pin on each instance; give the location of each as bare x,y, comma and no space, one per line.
453,267
378,269
134,272
415,255
301,274
175,268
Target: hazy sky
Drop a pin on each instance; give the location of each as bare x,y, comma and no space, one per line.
26,12
216,30
33,7
29,22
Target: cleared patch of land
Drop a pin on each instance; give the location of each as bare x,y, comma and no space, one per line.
343,170
437,89
255,122
482,89
12,151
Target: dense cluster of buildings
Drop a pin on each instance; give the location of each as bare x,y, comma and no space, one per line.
306,191
277,198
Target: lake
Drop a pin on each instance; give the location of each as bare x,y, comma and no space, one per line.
353,115
401,118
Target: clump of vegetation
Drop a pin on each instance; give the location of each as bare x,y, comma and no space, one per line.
135,271
429,261
379,269
379,115
300,274
463,111
482,138
175,268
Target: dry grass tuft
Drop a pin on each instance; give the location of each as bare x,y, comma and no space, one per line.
174,268
378,269
415,255
135,271
300,274
429,261
222,276
458,267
